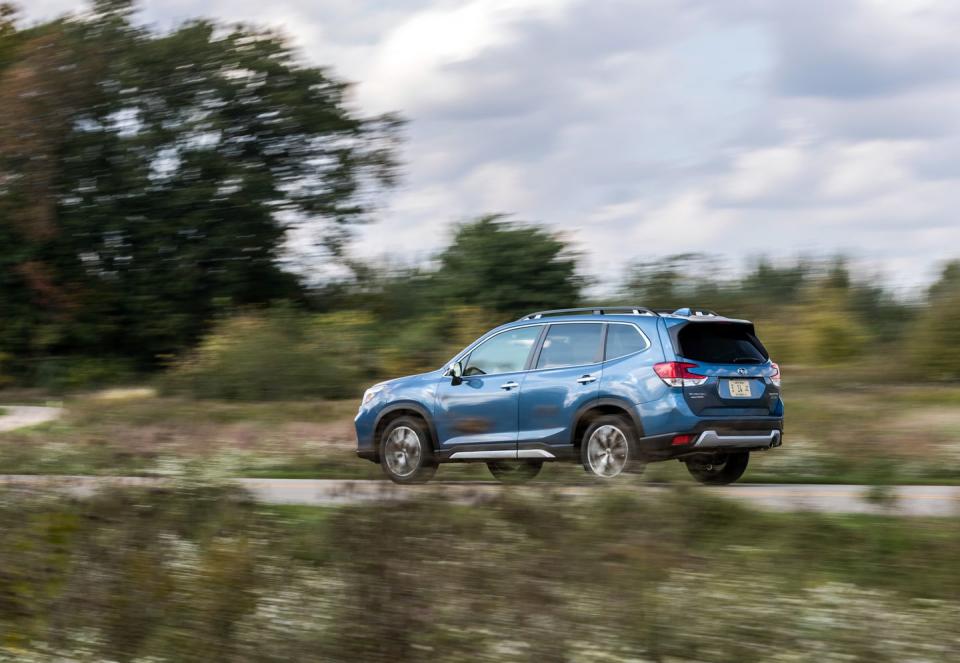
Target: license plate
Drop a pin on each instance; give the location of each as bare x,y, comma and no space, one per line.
739,388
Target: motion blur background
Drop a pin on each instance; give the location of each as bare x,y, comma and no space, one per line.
214,235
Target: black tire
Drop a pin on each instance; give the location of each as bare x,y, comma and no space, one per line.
620,456
406,453
719,470
514,471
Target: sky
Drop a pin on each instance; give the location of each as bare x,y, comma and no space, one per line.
645,128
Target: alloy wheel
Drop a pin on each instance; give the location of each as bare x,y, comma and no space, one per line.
402,451
607,451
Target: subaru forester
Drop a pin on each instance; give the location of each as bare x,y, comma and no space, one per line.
611,388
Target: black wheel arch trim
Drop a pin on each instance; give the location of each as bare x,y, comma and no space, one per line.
405,406
619,403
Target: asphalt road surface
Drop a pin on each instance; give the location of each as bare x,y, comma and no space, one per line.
898,500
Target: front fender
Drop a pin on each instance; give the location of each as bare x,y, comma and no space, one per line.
399,406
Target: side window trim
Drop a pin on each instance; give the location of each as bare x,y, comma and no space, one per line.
603,342
534,355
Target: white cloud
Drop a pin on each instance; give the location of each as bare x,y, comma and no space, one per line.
644,128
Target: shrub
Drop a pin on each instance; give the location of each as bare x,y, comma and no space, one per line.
935,341
278,354
194,574
424,343
60,374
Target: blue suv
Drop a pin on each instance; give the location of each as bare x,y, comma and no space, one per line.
611,388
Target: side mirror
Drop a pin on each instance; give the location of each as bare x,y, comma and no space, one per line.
456,373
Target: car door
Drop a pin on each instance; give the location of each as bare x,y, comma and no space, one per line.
481,412
565,377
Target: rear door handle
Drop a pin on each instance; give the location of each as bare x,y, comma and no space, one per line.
509,385
587,379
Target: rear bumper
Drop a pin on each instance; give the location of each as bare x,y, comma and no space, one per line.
716,435
711,439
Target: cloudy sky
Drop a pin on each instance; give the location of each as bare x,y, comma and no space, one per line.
643,128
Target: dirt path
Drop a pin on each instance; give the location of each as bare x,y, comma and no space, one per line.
21,416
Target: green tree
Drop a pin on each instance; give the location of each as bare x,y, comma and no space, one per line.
147,180
508,267
935,341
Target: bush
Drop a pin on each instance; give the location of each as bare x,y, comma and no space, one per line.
63,374
280,354
935,341
424,343
200,574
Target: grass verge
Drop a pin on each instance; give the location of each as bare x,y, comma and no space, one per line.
852,433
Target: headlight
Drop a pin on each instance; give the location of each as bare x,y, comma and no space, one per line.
371,393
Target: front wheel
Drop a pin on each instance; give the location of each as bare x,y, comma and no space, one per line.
514,471
405,452
719,470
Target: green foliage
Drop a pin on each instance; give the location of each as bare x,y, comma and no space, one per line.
63,374
151,179
201,574
935,339
279,354
508,267
424,343
806,312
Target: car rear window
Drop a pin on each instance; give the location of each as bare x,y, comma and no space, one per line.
720,343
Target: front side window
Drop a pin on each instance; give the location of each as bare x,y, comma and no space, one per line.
571,345
623,340
507,352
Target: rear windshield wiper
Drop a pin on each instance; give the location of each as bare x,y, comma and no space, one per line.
747,360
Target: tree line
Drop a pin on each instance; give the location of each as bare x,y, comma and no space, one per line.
150,183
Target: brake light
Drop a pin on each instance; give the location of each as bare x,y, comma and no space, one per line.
775,378
677,374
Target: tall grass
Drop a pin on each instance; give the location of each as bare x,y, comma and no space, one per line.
199,573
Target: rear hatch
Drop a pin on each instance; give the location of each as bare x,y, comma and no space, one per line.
737,371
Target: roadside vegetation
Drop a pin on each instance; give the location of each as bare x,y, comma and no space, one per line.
846,432
199,573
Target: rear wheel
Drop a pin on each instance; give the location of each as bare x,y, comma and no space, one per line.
605,449
718,470
405,452
515,471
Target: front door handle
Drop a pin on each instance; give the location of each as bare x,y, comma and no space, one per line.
587,379
509,385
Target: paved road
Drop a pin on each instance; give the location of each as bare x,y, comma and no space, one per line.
21,416
904,500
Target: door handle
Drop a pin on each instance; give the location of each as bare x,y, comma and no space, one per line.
587,379
509,385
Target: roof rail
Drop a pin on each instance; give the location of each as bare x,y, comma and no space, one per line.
594,310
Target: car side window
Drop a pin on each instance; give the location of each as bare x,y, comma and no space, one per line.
571,345
507,352
623,340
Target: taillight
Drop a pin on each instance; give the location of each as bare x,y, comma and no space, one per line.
680,440
775,378
677,374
